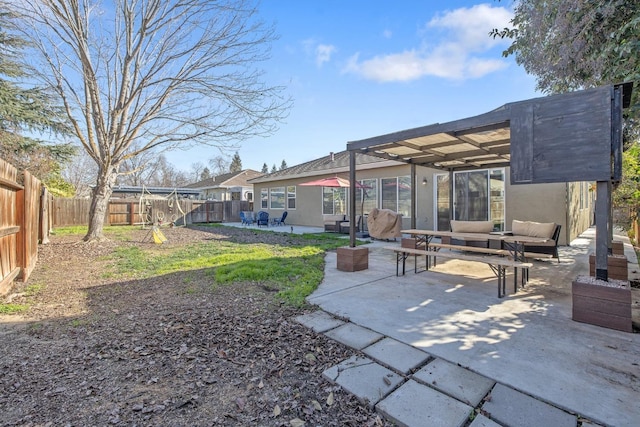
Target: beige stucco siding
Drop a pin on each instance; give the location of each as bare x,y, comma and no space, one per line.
557,202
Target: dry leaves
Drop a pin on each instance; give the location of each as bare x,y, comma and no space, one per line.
165,351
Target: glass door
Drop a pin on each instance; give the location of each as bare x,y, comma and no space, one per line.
478,196
471,192
442,214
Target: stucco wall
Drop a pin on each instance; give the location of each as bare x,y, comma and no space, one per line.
534,202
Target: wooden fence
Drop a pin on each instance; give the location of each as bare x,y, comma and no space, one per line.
67,212
20,225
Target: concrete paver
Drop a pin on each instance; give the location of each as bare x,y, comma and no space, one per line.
364,378
354,336
510,407
414,404
461,383
482,421
320,321
399,356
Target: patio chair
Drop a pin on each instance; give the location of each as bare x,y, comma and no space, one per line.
280,221
263,219
346,225
246,217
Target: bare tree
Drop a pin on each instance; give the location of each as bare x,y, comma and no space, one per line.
197,169
160,73
219,165
80,172
139,170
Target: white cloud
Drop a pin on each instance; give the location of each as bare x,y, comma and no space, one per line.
456,55
323,53
320,53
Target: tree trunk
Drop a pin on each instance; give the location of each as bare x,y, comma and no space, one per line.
100,204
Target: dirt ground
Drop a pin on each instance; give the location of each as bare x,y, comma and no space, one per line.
165,351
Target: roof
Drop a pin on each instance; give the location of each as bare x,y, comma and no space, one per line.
332,163
576,121
227,180
154,190
477,142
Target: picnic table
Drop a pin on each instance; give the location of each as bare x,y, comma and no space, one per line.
512,255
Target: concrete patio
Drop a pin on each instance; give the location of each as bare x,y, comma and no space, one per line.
526,343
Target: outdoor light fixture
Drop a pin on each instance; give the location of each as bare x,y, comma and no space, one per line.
424,181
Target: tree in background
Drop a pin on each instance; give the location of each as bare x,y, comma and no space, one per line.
162,74
273,168
206,174
628,191
265,168
196,171
283,165
80,172
219,165
31,110
236,163
575,44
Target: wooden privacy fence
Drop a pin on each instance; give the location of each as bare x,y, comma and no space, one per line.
67,212
21,225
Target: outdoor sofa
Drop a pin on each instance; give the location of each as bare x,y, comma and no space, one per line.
548,230
332,222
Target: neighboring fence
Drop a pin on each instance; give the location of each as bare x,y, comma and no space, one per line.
20,225
67,212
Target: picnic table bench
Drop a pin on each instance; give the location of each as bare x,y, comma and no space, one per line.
496,259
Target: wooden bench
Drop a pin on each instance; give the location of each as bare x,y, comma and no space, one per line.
498,264
487,251
437,246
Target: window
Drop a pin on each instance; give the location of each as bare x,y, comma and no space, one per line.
370,200
264,198
276,199
477,196
291,197
334,201
396,195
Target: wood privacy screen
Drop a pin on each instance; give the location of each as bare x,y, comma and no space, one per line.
19,225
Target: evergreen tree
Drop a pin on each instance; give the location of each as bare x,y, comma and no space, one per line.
29,110
273,168
236,163
265,168
283,165
205,174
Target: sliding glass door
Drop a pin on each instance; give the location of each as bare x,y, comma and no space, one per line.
477,196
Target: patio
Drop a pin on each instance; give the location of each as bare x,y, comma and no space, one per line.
526,341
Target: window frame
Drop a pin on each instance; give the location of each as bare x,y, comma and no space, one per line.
279,192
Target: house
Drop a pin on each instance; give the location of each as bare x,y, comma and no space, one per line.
228,186
479,194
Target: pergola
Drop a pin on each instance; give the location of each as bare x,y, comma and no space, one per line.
569,137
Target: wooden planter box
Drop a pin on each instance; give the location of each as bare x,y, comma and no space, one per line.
600,303
616,267
353,259
617,247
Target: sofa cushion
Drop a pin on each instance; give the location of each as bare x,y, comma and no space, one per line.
533,229
471,226
331,219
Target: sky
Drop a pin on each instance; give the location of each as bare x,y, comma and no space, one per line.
358,69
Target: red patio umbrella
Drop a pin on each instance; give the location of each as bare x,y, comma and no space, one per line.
334,181
337,182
